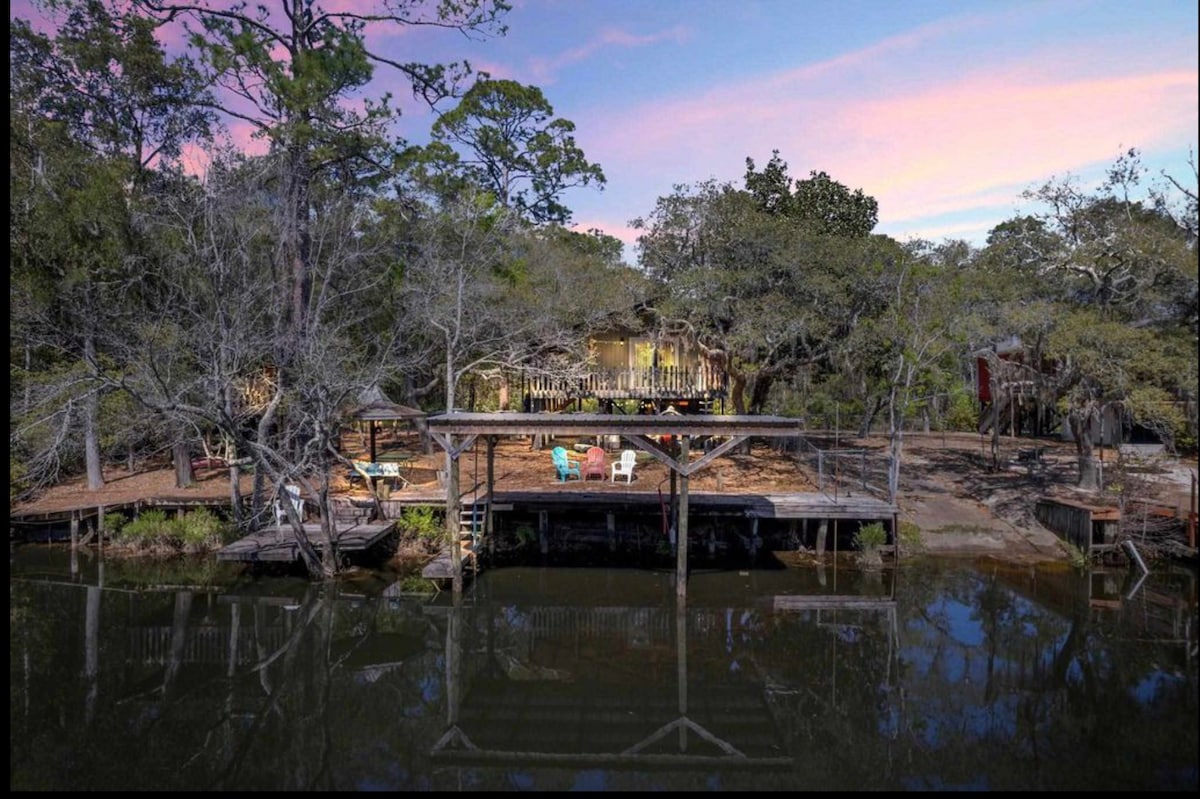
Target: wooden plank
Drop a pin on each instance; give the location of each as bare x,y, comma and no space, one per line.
831,601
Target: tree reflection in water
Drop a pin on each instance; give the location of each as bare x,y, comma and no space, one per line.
944,676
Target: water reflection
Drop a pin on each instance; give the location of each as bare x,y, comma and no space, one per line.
941,677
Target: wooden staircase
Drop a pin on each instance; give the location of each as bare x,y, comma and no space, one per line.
348,514
470,525
470,531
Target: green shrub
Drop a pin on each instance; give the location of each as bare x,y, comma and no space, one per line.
113,522
870,537
416,584
148,526
962,414
910,534
525,535
200,529
194,531
422,522
868,540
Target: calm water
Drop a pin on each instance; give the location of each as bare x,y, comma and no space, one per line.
944,676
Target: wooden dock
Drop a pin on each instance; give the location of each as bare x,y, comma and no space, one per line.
278,545
803,505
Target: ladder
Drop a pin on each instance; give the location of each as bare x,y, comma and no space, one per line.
470,521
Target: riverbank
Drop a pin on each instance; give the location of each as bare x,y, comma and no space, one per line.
947,488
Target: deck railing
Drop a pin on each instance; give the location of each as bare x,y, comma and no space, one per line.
665,381
842,471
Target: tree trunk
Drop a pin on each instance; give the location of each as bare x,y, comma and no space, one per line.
184,476
91,426
737,393
760,391
1081,429
871,409
235,477
896,442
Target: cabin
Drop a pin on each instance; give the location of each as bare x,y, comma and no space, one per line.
1015,395
1012,393
628,366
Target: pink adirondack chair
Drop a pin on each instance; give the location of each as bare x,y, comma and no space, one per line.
595,464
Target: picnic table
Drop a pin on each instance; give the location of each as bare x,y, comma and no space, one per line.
395,472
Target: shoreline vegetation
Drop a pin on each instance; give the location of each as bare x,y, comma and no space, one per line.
952,503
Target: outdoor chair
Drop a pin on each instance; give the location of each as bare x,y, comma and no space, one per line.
292,492
564,465
595,464
624,466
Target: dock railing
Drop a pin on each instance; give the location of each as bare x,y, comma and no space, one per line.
841,472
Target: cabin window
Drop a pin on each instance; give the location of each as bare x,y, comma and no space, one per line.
609,354
644,355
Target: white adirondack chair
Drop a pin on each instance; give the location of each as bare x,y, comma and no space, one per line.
292,492
624,466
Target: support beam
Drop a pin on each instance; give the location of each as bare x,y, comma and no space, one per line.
491,483
649,445
446,441
453,515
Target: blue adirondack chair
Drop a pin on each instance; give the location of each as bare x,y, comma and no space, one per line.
565,466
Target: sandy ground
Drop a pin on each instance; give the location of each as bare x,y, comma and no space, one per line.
947,489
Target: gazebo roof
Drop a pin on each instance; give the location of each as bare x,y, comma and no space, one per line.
374,406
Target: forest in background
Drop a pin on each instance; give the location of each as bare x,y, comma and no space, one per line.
154,305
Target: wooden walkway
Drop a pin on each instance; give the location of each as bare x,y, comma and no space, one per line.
279,546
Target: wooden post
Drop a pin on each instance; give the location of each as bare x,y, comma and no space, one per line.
1191,527
822,527
673,506
491,482
453,517
544,532
74,529
681,527
610,522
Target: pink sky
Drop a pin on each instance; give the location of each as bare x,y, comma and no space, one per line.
943,111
